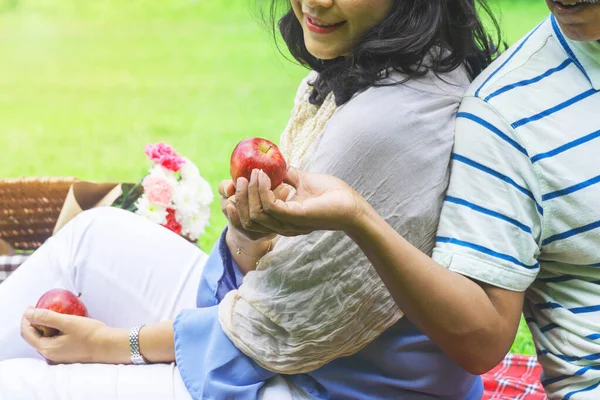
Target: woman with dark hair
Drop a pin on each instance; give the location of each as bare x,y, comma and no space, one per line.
274,317
519,229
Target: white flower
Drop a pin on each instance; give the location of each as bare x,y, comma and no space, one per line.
193,226
186,200
190,197
204,192
164,173
154,212
189,171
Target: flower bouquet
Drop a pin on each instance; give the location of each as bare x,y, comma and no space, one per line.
173,194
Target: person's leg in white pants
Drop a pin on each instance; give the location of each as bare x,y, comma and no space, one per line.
129,271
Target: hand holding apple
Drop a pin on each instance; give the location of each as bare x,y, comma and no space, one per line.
248,155
257,153
321,202
235,209
81,339
60,301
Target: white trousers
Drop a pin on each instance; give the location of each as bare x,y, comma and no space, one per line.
130,271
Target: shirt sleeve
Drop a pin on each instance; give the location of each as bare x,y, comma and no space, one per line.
492,218
316,298
210,364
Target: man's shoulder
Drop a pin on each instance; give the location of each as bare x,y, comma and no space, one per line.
532,56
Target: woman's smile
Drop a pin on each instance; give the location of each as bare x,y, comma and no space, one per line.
319,26
333,28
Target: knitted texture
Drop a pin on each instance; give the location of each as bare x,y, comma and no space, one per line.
307,122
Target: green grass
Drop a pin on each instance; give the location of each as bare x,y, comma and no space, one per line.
84,85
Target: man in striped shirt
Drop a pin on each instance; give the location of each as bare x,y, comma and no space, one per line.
522,213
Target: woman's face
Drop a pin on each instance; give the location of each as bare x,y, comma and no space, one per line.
333,28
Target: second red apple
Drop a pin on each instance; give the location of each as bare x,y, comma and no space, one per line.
257,153
60,301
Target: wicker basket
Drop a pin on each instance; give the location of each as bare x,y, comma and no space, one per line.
29,208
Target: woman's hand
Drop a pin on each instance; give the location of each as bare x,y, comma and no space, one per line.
81,340
234,205
321,202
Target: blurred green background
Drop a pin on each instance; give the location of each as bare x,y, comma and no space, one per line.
84,85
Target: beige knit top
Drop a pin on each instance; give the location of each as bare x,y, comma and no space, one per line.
315,298
306,123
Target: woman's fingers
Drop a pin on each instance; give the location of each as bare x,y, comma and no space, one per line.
282,192
29,333
230,210
39,316
41,344
277,213
225,202
227,198
270,204
226,188
250,206
232,215
255,203
243,206
292,177
241,195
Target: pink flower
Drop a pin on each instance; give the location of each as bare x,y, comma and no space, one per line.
172,223
158,190
164,155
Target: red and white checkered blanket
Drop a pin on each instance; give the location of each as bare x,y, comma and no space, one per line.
9,264
517,377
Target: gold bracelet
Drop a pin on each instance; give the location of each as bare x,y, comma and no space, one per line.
242,251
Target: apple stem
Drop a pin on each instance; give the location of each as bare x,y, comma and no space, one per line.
269,149
79,295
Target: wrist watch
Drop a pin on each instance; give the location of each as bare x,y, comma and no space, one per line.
134,346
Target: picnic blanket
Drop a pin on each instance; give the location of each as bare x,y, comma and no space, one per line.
517,377
9,264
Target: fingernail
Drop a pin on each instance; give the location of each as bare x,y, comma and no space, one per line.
28,313
239,182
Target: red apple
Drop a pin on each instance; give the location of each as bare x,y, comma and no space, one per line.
257,153
60,301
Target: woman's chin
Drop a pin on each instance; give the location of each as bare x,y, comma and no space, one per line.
322,53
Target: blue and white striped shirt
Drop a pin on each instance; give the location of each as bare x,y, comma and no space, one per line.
523,207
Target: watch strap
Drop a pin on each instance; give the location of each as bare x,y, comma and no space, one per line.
134,346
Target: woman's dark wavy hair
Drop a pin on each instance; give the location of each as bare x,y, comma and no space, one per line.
405,41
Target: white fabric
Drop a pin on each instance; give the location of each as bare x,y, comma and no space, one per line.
529,133
306,123
129,271
315,298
